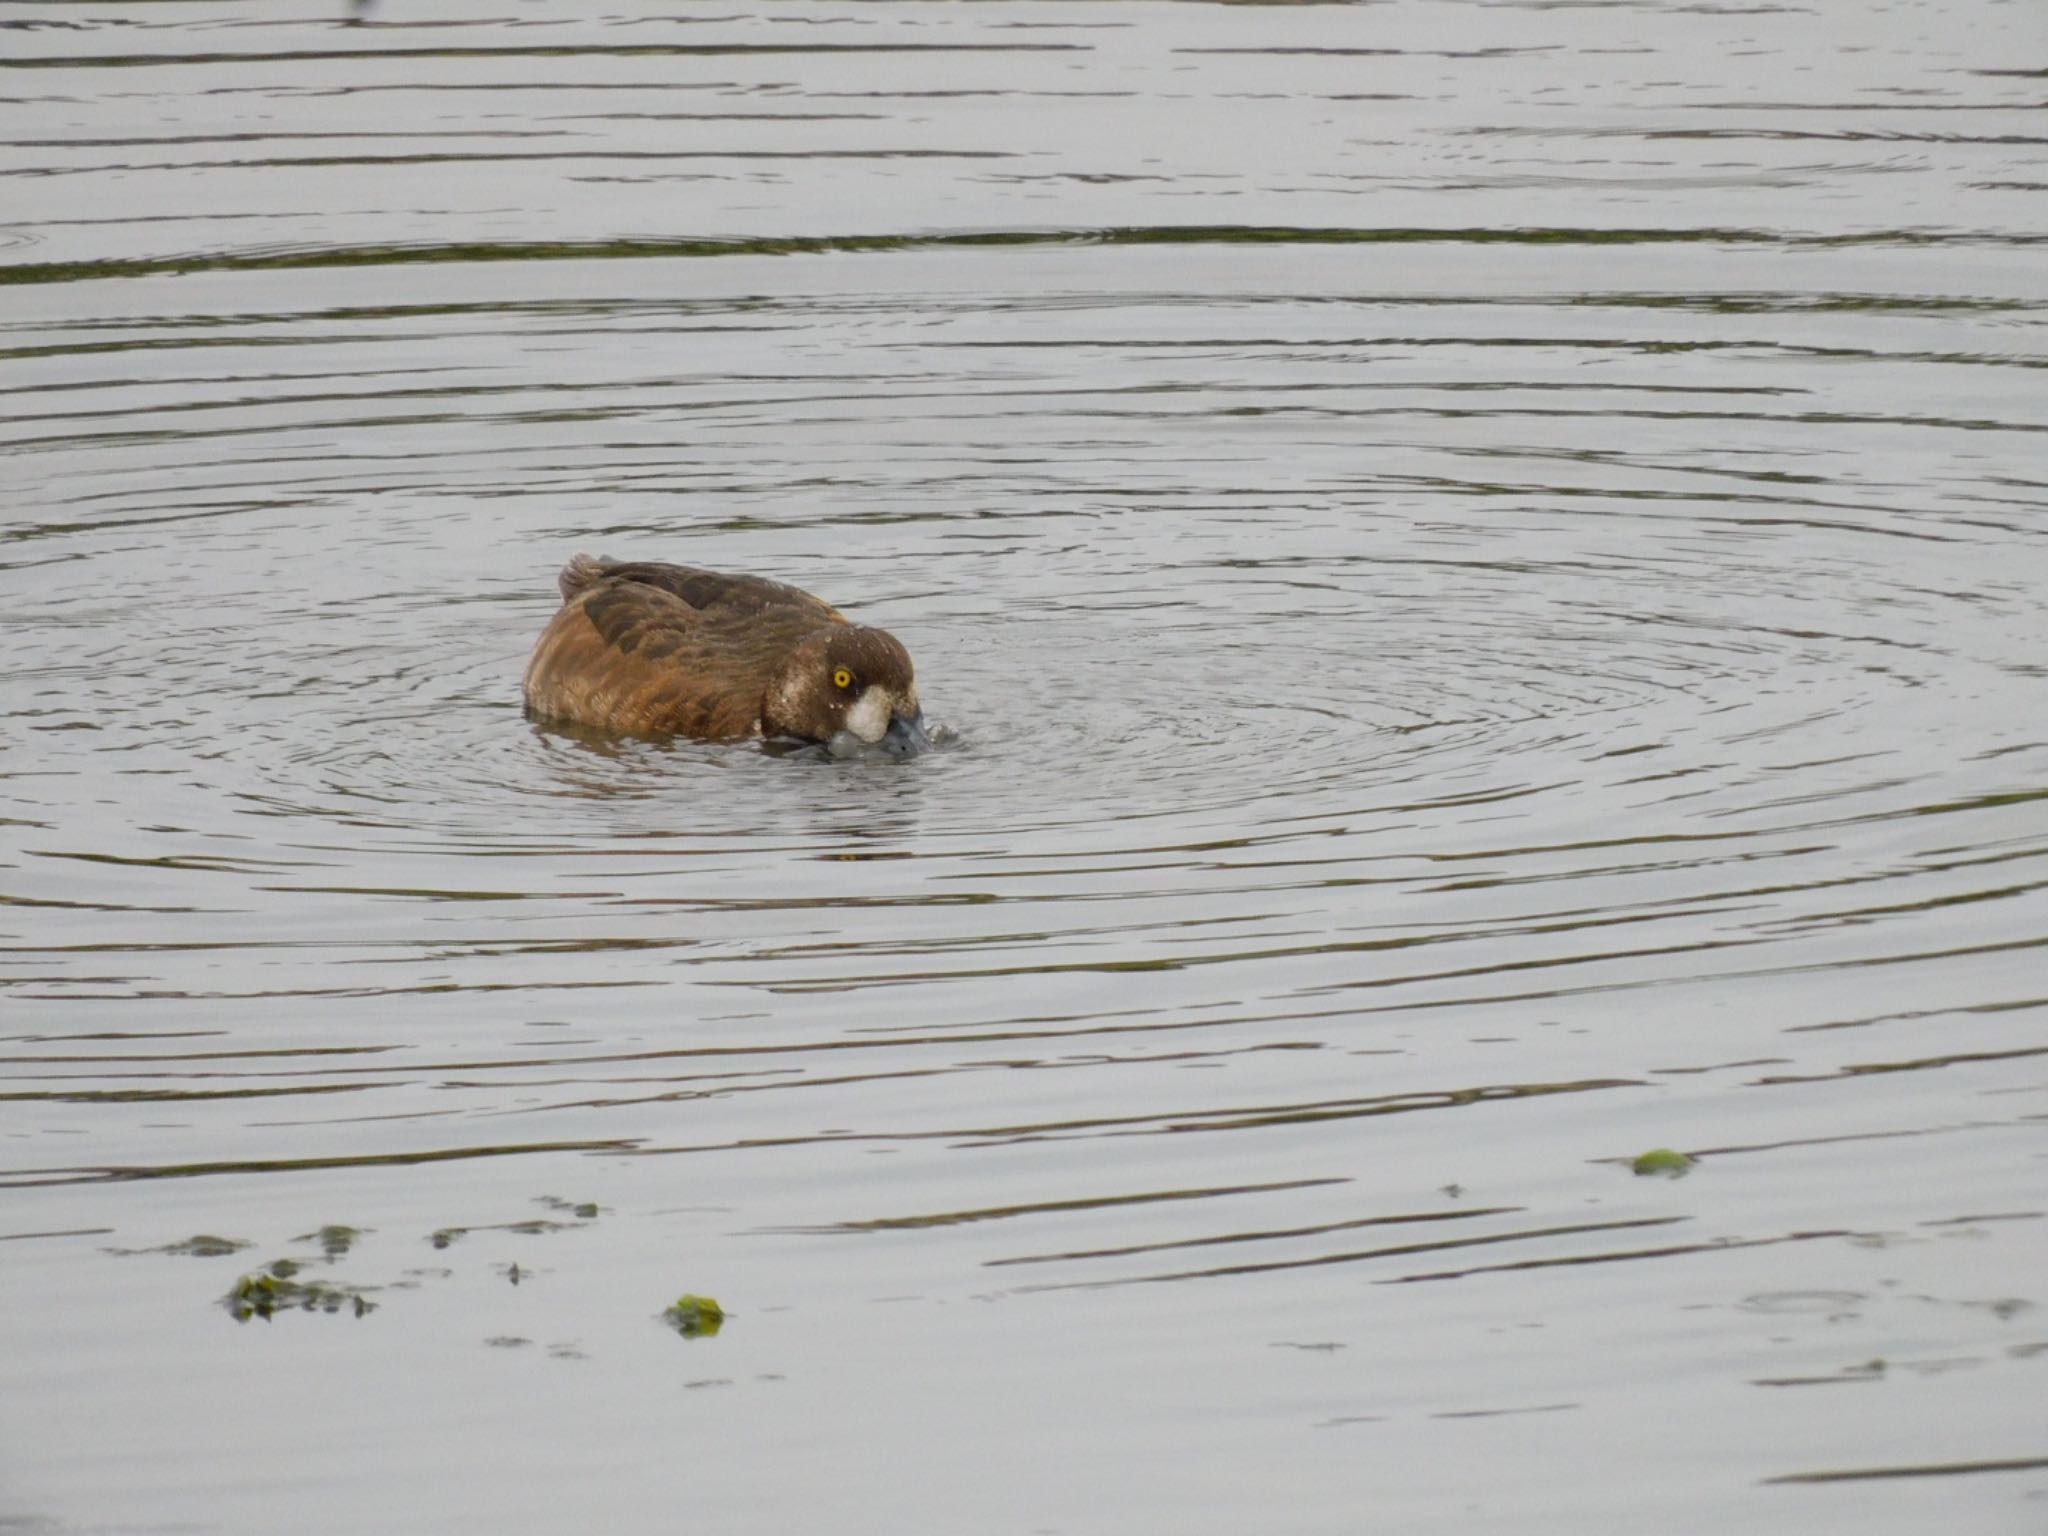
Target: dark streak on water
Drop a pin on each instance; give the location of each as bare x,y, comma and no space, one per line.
1482,567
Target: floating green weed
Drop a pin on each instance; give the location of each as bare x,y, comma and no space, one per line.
268,1292
695,1317
204,1245
537,1226
1663,1162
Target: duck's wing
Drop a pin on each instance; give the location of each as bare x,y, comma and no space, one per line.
632,651
708,592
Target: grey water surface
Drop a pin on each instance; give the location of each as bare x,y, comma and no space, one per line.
1481,567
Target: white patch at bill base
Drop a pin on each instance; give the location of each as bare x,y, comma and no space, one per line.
871,712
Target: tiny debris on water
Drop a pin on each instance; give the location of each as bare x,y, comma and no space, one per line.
334,1240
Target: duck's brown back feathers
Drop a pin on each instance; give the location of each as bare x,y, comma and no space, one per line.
705,591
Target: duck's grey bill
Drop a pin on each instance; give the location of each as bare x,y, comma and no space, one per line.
906,736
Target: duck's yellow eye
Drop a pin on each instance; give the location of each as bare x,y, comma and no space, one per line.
842,678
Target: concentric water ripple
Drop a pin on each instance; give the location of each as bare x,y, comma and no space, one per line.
1374,617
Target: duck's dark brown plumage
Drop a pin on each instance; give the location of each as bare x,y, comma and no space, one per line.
652,649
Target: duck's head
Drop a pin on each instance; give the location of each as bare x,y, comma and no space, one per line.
851,688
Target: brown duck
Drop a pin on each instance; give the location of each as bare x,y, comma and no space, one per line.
667,650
